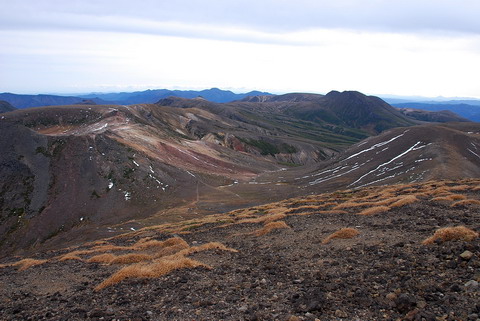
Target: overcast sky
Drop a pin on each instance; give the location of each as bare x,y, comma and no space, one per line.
407,47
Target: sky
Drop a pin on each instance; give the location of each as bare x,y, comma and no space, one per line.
409,47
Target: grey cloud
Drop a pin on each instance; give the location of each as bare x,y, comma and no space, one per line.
268,16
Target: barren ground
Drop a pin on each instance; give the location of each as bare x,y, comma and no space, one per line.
288,273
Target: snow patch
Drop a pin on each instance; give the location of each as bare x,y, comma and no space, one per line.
376,146
414,147
471,151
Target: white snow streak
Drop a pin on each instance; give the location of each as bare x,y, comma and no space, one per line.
376,146
471,151
390,161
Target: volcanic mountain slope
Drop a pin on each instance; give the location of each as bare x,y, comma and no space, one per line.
72,167
419,153
402,252
349,109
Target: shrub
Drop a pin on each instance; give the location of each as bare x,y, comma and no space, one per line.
456,233
344,233
374,210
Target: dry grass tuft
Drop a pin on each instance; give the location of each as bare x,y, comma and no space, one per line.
466,202
204,247
263,219
460,188
456,233
150,270
270,227
27,263
161,244
344,233
69,256
104,258
449,198
457,197
374,210
351,204
405,200
170,250
131,258
322,212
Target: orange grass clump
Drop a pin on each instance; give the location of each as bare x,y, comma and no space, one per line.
27,263
456,233
344,233
459,188
163,265
374,210
466,202
263,219
321,212
162,244
270,227
154,269
105,258
405,200
351,204
69,256
450,198
204,247
131,258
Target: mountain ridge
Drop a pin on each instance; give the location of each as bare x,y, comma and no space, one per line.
125,98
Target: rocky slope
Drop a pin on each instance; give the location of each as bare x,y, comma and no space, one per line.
363,254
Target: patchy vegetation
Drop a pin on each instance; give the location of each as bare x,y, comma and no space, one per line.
273,262
344,233
457,233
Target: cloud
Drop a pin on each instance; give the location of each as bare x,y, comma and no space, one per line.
243,20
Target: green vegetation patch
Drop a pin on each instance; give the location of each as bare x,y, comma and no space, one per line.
267,148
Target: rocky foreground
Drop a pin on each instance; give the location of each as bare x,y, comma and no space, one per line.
370,254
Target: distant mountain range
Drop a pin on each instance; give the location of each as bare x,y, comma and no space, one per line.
124,98
467,108
470,111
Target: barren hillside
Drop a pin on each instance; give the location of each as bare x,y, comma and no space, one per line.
403,252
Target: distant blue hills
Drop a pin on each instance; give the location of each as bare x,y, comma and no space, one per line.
124,98
468,108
